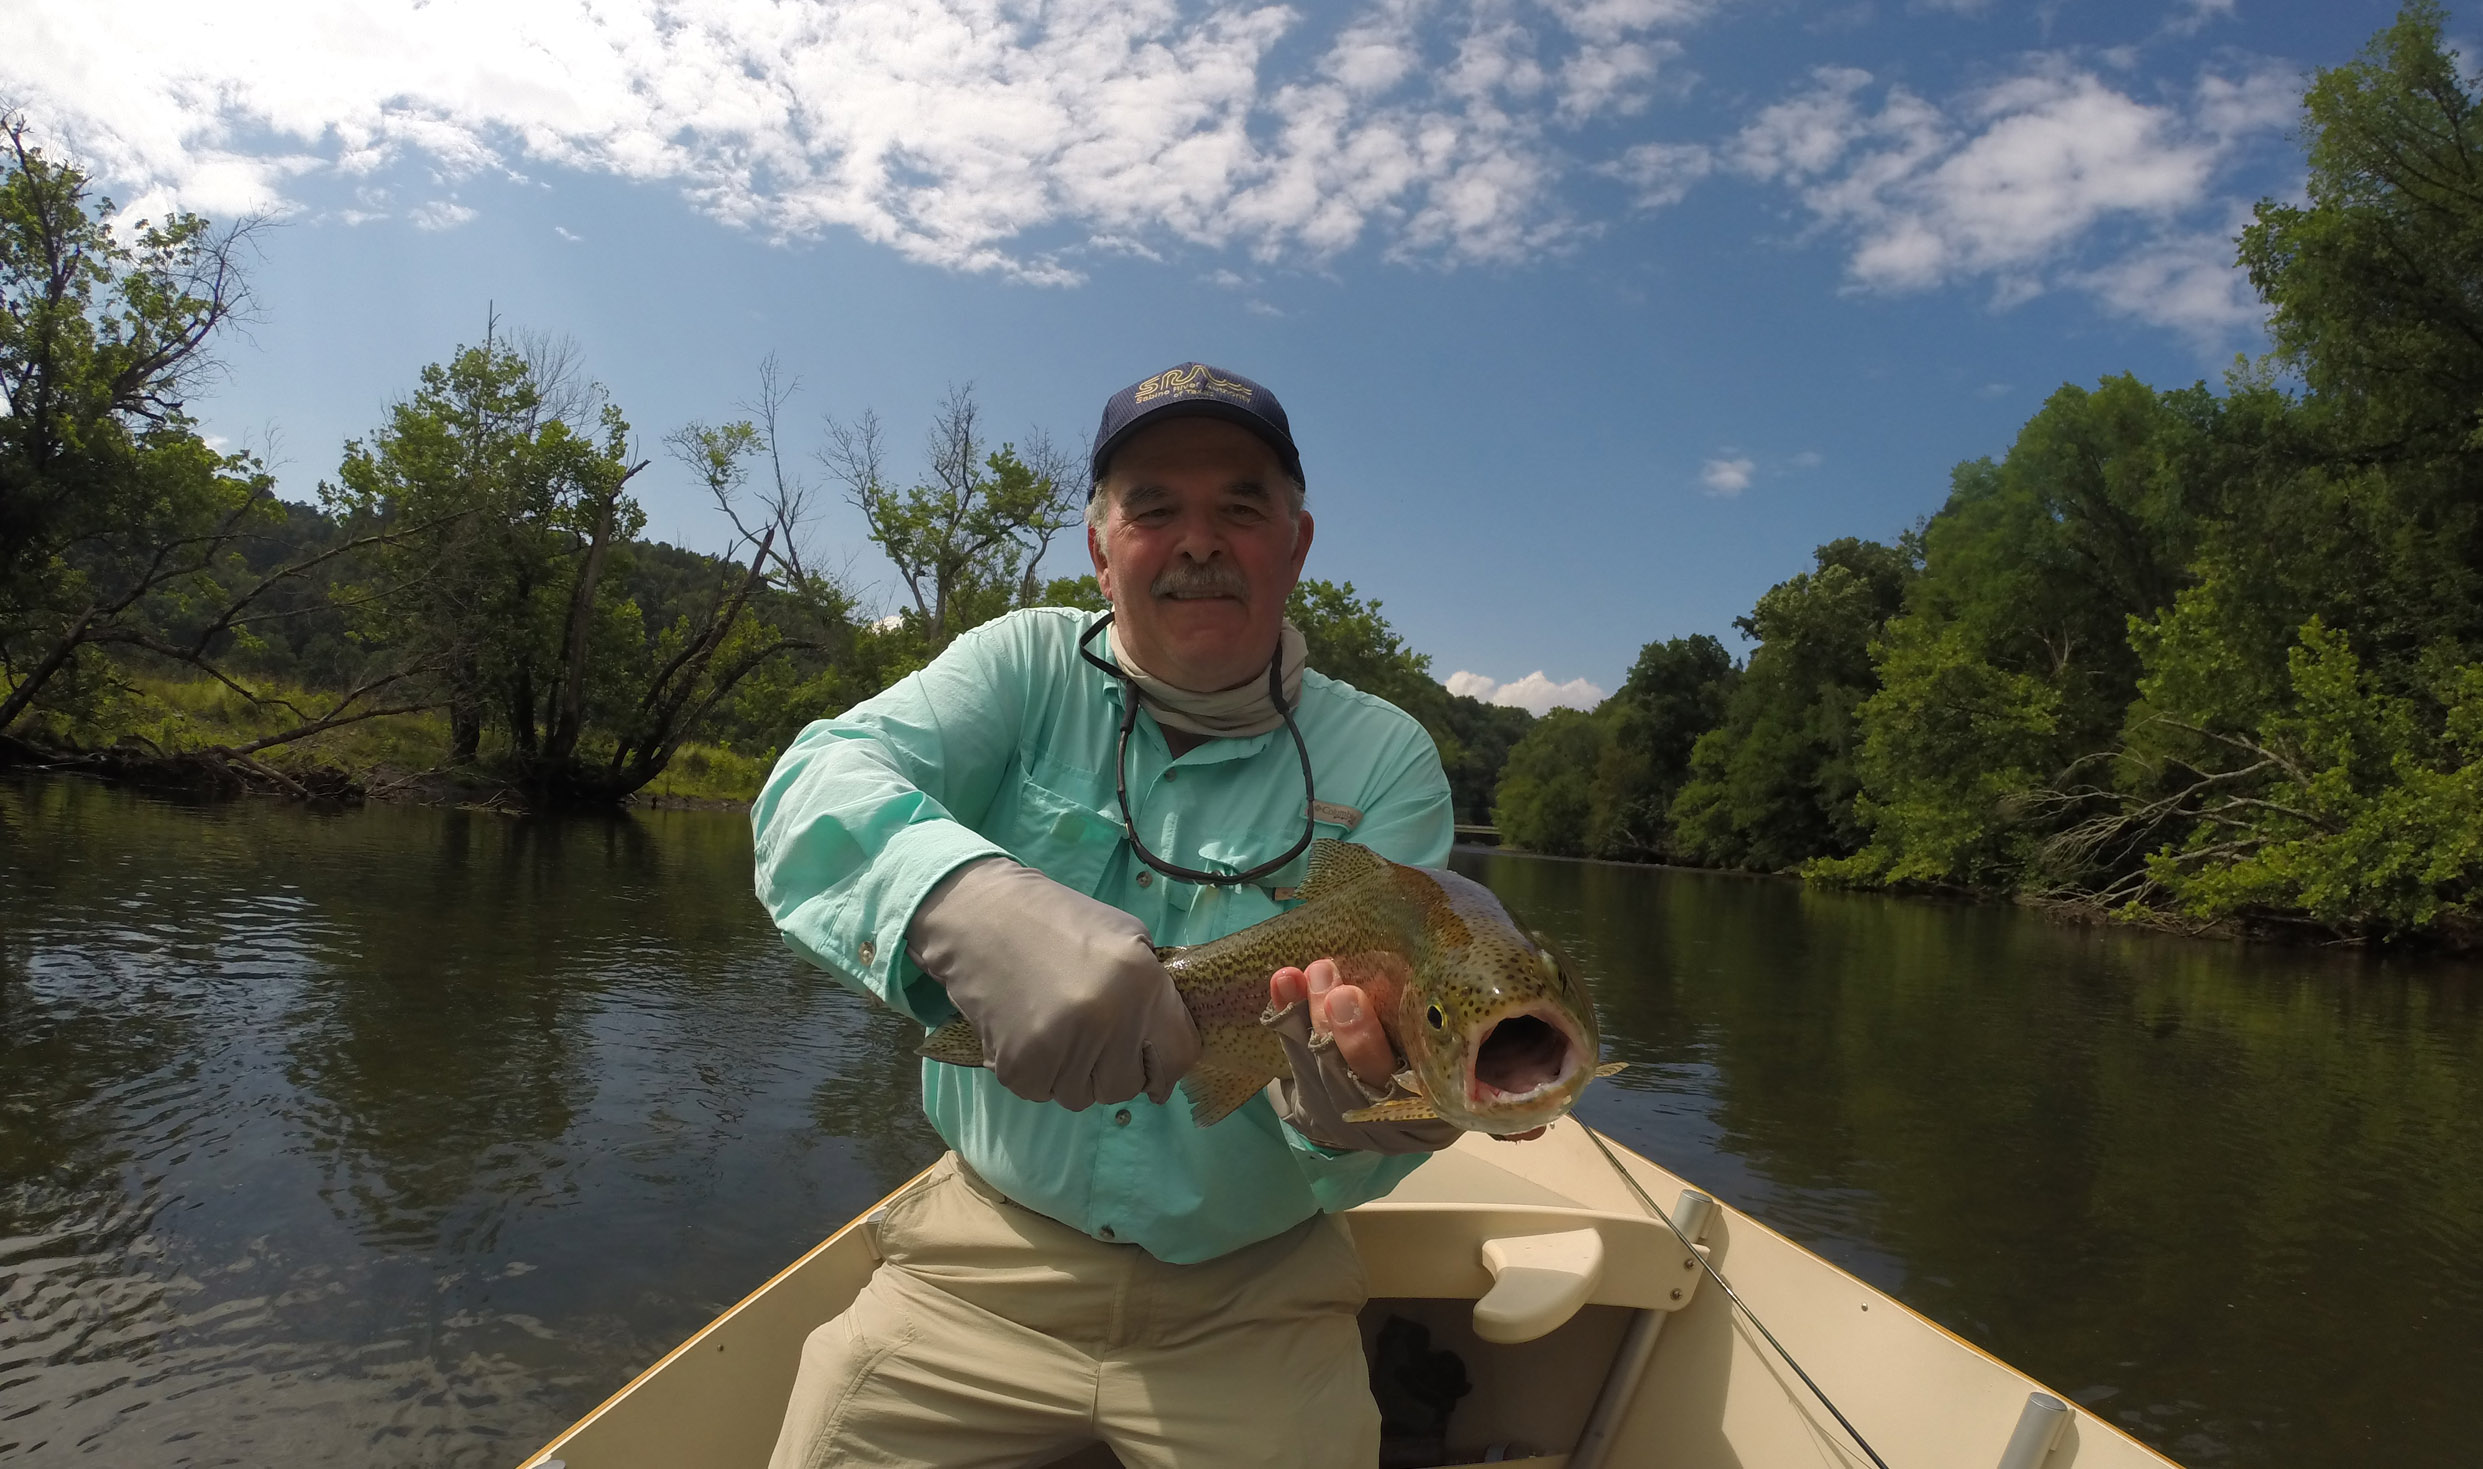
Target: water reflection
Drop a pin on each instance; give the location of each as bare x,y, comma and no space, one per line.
399,1136
2232,1196
404,1136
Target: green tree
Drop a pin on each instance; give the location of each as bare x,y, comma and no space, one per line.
1773,785
1546,792
518,603
122,534
969,541
2011,664
1346,637
1676,692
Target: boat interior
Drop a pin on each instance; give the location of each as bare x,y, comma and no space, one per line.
1529,1306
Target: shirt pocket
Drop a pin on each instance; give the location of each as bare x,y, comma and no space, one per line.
1065,839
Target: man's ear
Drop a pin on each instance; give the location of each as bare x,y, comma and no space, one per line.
1103,566
1302,529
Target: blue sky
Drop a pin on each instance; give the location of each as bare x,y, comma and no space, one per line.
1593,317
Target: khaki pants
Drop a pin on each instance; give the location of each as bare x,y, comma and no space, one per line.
993,1336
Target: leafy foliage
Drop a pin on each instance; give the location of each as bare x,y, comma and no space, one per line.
1774,784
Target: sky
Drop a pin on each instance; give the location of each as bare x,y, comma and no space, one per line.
1593,317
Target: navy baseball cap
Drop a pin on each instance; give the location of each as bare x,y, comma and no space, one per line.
1193,390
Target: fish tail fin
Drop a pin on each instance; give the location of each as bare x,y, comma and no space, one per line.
1217,1090
954,1043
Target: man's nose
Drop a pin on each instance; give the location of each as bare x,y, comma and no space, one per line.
1198,539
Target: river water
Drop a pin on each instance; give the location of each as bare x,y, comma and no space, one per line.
403,1136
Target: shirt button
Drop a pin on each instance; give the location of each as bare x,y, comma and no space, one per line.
1146,879
1106,1233
1121,1118
869,951
1169,772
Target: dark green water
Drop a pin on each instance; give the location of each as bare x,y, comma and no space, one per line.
403,1136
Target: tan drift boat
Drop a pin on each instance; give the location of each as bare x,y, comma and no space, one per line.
1591,1335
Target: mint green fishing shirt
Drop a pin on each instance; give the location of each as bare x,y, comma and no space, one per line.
1004,747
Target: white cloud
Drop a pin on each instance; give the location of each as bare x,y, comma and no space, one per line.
2014,184
440,214
1536,693
1725,478
574,239
973,134
1662,173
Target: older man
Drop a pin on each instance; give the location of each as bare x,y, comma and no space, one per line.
1007,835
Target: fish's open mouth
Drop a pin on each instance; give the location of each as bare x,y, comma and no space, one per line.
1520,1058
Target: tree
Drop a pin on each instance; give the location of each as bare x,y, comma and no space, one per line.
521,471
1774,784
518,603
1545,798
1347,638
1676,692
2011,664
2375,282
967,541
121,532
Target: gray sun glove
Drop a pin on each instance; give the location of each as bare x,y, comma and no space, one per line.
1065,992
1322,1089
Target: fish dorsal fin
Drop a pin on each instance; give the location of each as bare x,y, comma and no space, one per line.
1333,864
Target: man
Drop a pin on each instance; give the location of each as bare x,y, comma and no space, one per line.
1087,1263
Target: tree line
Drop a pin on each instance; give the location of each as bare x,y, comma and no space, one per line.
477,558
2177,651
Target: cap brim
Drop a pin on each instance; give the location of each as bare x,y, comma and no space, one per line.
1287,456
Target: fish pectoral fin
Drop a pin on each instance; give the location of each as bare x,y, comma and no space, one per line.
1610,1067
954,1043
1408,1081
1166,953
1395,1109
1217,1091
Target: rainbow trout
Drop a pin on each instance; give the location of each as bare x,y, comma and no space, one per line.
1494,1033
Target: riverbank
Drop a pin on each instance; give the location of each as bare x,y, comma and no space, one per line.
200,738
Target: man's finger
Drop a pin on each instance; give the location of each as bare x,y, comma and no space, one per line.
1360,1038
1287,987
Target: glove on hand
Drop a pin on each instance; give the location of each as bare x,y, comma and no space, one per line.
1322,1089
1065,992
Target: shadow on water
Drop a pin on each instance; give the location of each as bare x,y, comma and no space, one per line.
403,1136
2231,1196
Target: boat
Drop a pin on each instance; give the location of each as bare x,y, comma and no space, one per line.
1597,1324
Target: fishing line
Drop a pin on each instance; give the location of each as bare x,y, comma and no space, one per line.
1731,1295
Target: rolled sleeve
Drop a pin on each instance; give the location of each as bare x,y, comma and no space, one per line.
851,833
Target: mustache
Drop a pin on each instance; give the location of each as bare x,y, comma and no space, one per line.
1196,579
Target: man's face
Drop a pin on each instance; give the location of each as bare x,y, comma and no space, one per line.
1198,551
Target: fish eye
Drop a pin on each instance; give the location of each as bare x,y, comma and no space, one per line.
1433,1015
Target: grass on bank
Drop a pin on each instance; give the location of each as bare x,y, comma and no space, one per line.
177,715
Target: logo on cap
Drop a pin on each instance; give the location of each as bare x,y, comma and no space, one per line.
1192,380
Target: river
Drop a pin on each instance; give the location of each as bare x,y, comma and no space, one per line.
402,1136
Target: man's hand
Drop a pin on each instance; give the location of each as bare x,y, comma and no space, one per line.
1316,1019
1340,1010
1065,991
1344,1012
